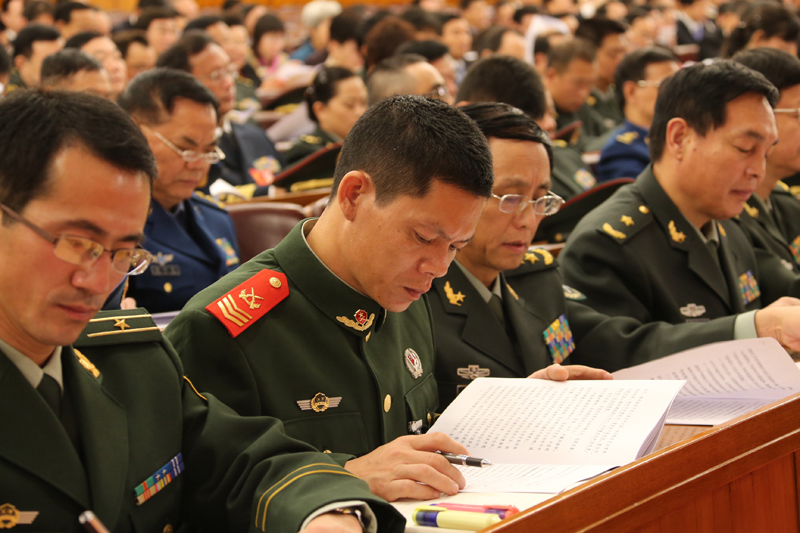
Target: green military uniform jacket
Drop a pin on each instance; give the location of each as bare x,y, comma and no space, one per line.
307,145
15,82
636,255
471,343
605,105
762,226
570,177
136,416
592,126
342,373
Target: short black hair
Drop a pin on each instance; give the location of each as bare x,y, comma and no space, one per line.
422,20
560,56
344,27
144,4
405,143
124,40
633,66
774,20
4,6
155,13
232,19
23,44
430,50
65,63
464,4
324,87
596,29
202,22
504,79
445,17
35,125
190,44
64,11
150,96
503,121
267,24
782,69
491,38
80,39
520,13
700,94
37,8
5,61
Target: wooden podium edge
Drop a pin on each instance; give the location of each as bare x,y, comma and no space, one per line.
654,485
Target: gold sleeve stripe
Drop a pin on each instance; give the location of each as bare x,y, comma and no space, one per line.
124,317
281,481
266,504
116,332
189,381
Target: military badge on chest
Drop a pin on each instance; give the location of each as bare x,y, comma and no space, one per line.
319,403
10,516
161,266
413,363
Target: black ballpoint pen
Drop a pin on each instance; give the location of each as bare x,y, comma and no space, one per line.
465,460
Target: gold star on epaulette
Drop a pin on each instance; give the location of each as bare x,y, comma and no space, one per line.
625,219
531,257
628,137
120,323
311,139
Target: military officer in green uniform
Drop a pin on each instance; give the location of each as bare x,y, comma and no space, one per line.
307,144
663,248
771,216
570,175
108,422
502,309
329,331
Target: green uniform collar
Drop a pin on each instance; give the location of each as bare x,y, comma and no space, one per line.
352,310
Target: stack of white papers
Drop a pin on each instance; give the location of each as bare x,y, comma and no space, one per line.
724,380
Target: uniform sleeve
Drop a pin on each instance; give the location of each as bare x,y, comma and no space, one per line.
775,280
245,474
613,279
613,343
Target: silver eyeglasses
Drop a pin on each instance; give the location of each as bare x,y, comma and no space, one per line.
84,252
649,83
516,203
219,74
795,112
191,156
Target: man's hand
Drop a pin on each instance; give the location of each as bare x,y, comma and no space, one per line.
781,321
563,373
333,523
395,470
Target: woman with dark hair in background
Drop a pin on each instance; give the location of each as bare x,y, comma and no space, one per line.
335,100
764,25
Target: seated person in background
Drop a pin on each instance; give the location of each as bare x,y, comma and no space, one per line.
269,41
161,26
500,40
336,100
458,39
611,42
663,248
437,55
382,41
694,27
330,330
426,23
138,55
764,26
343,45
33,43
73,70
251,160
95,421
5,69
193,239
638,76
104,50
39,11
406,74
771,216
514,82
571,75
72,18
316,18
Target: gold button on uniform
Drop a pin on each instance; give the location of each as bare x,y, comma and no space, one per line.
327,451
168,287
275,282
429,418
387,403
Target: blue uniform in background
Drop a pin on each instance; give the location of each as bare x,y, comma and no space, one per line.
193,248
625,155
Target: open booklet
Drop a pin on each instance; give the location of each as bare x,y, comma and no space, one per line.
724,379
544,436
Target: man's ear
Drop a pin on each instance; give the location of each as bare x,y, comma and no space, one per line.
354,189
678,137
628,88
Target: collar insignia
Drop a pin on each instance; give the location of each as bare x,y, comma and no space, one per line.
677,236
361,322
455,298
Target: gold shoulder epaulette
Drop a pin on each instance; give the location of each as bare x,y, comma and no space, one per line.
311,139
119,327
210,199
628,137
